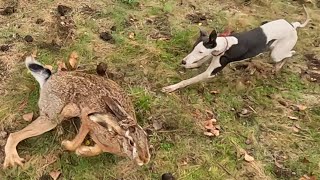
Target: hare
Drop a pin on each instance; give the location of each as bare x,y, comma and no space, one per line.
106,113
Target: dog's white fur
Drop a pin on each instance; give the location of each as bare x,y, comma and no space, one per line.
284,33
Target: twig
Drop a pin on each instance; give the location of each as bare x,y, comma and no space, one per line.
226,170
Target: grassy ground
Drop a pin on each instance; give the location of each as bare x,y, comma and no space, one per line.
143,64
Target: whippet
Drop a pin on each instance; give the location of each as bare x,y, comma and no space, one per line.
279,36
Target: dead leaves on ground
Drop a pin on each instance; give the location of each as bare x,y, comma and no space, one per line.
73,60
28,117
212,128
55,174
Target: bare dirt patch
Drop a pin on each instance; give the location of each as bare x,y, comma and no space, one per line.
313,71
162,28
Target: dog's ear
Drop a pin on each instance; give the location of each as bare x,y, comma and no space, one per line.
203,33
212,37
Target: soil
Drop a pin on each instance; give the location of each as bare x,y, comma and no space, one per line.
197,18
162,29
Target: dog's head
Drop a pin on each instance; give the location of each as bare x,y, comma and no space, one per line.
207,45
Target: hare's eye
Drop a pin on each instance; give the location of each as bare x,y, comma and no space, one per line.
131,143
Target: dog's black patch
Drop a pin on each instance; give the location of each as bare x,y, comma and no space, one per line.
39,69
250,44
35,67
264,22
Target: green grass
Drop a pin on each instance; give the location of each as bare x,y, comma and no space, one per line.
143,66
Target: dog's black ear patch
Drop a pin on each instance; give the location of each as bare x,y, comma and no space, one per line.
213,36
211,43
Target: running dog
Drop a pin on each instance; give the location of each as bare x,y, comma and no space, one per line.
279,36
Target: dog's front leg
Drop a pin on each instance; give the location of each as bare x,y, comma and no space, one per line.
215,63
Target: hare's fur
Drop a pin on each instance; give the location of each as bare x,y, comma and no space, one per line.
73,94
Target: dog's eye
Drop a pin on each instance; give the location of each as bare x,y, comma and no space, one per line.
200,52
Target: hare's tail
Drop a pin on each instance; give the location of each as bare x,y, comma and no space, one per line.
40,73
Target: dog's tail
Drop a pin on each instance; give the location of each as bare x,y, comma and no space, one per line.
298,24
40,73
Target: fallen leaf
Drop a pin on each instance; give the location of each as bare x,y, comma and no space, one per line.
301,107
293,118
28,116
210,134
306,177
215,132
214,92
73,60
248,158
61,66
131,35
295,129
48,67
55,174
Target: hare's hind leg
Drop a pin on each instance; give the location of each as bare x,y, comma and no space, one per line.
39,126
83,131
87,151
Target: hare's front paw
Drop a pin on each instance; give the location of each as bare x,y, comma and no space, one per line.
12,159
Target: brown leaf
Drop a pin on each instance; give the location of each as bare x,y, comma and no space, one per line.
131,35
301,107
210,134
48,67
61,66
214,92
295,129
293,118
248,158
215,132
55,174
73,60
28,116
306,177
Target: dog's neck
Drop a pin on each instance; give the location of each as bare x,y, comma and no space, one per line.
223,44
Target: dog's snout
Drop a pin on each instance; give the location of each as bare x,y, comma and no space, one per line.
183,62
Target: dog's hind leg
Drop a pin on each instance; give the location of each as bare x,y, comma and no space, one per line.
39,126
283,49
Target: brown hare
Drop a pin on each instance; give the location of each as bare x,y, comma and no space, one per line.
106,113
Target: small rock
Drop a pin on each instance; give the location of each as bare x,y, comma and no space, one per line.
106,36
39,21
113,28
167,176
4,48
8,11
63,10
101,69
28,38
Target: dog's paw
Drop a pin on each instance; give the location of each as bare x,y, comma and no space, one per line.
169,89
12,159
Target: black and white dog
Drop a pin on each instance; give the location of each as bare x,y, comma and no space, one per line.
279,36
